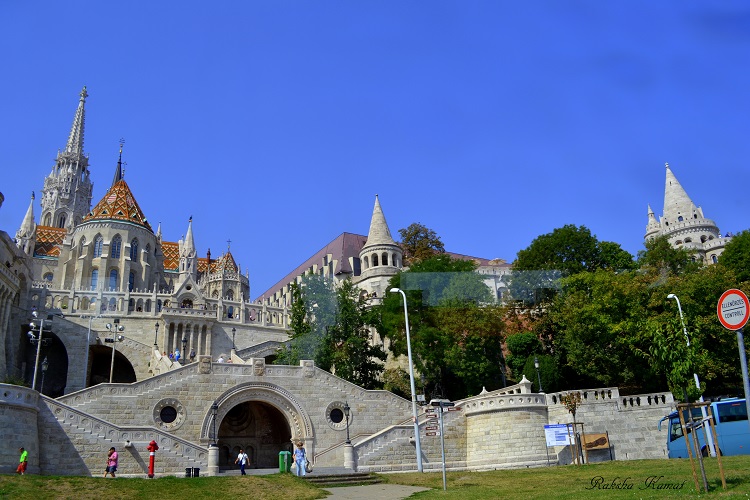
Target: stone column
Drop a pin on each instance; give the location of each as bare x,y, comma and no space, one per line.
349,457
213,460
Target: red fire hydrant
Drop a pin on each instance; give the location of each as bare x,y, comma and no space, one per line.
152,447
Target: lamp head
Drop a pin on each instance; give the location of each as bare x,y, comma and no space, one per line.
347,409
31,335
536,362
109,326
395,290
120,338
671,296
121,328
156,326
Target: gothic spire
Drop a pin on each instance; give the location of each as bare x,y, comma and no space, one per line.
118,170
75,139
379,233
25,234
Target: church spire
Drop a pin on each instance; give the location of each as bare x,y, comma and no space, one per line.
26,234
188,255
75,139
118,170
677,204
379,233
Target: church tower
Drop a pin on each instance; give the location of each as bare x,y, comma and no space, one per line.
684,224
380,257
66,196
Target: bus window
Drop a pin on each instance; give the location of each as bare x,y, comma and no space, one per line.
731,411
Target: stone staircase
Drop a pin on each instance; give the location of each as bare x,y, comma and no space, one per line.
343,479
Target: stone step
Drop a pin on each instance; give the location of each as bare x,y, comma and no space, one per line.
356,478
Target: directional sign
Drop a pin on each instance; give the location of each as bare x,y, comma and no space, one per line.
454,408
429,410
434,433
432,417
431,428
733,309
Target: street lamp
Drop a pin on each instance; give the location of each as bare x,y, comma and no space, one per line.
38,340
346,414
704,413
538,378
91,317
45,365
411,380
113,329
156,336
184,348
234,330
214,411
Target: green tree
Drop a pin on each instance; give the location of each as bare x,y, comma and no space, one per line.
736,256
521,346
419,242
660,257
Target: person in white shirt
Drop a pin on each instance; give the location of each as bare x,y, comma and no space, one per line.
243,460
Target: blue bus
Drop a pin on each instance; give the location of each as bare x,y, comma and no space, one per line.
732,429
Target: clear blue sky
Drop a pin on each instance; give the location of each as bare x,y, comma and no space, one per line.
275,123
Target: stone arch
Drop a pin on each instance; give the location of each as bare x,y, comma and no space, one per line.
270,397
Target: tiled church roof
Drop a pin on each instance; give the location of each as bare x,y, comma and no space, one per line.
48,241
171,251
118,204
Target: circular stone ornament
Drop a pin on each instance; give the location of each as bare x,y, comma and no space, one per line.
169,414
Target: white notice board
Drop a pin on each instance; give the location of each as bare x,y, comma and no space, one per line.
558,434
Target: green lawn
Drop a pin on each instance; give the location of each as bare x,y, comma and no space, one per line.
563,482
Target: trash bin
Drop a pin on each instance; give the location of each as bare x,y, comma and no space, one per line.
188,471
285,461
196,472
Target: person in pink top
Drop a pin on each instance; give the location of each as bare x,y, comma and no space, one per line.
111,462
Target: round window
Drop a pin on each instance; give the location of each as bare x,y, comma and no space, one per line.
337,415
168,414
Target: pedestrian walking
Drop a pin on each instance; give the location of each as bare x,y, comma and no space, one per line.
243,460
300,458
111,462
23,461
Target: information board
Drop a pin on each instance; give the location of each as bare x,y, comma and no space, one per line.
558,435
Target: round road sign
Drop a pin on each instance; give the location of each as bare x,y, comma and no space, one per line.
733,309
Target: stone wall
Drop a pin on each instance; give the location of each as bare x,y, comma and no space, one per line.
18,427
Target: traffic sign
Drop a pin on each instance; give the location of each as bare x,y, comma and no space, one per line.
733,309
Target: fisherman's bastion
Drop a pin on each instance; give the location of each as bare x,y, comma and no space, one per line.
114,298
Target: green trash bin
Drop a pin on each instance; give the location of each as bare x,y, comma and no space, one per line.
285,461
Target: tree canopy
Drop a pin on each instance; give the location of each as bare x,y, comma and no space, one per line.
419,242
736,256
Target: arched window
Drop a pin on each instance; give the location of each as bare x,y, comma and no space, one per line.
98,244
131,281
374,260
81,244
714,259
94,278
134,250
384,259
367,262
230,312
230,294
61,220
47,220
116,247
113,279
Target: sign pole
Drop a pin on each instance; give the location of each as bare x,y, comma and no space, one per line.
733,310
442,445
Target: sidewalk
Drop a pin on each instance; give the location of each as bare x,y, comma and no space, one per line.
373,492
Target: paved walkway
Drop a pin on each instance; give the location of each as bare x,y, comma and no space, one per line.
373,492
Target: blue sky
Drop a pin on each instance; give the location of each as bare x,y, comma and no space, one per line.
275,123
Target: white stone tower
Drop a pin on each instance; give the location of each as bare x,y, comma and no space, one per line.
684,224
66,196
188,255
26,234
380,258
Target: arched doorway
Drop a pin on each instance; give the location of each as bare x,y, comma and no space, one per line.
101,359
52,382
257,427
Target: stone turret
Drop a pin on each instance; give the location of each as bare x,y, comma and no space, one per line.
26,234
381,257
188,255
684,224
66,196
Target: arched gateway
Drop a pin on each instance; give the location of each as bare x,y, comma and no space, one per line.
263,419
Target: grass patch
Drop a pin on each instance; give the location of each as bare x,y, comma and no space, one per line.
567,482
563,482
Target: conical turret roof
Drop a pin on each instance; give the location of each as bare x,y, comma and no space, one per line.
676,200
379,233
28,226
118,204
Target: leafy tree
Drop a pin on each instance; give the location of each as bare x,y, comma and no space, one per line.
660,257
736,256
455,332
419,242
521,346
548,373
563,252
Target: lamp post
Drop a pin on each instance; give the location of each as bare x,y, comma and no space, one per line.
234,330
39,340
90,317
156,336
538,378
704,413
411,380
347,409
214,411
45,365
113,329
184,347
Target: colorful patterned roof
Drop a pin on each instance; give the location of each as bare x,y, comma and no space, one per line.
226,263
48,241
171,251
119,204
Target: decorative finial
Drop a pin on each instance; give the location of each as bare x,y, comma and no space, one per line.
32,195
84,94
666,165
190,219
229,243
